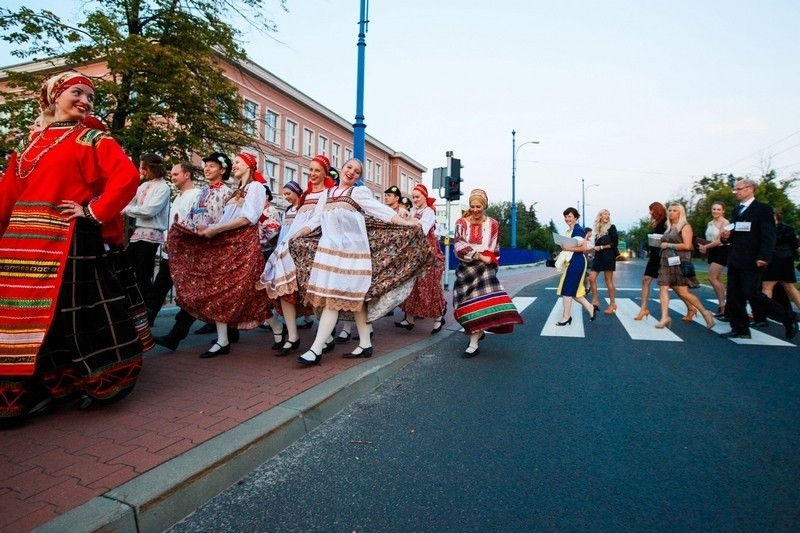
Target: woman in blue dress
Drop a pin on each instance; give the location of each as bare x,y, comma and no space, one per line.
571,286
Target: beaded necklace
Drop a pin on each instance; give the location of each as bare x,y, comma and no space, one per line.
25,158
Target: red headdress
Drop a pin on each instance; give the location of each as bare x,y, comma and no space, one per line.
423,190
54,86
250,161
325,163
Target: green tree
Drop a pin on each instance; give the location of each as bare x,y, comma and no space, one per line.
165,91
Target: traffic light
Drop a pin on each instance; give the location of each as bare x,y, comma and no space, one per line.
454,180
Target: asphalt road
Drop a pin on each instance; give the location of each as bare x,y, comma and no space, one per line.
606,429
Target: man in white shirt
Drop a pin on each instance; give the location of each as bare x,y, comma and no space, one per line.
181,175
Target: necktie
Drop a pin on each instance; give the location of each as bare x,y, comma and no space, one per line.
740,210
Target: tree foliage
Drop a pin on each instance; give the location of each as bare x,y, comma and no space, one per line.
165,91
531,234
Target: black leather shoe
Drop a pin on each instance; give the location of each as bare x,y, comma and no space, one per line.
277,345
167,341
791,329
207,328
470,353
404,324
223,350
734,335
308,362
358,353
760,324
342,337
329,346
285,350
439,325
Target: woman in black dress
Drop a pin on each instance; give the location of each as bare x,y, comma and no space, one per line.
781,268
658,225
605,259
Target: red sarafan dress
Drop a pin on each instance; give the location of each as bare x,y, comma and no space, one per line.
427,297
70,313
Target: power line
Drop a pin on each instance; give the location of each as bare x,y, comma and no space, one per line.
757,152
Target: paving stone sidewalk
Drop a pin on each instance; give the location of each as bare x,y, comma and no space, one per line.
57,463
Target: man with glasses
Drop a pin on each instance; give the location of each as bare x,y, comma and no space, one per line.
751,236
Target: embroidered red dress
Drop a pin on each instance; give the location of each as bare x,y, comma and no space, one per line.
427,298
50,266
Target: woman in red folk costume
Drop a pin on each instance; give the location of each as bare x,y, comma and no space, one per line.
72,322
480,303
427,298
231,246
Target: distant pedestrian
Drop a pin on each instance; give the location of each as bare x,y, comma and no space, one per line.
480,303
150,210
717,253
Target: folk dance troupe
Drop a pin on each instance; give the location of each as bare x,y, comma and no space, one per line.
73,321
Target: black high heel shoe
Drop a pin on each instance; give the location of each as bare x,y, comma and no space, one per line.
277,345
439,325
404,324
286,349
568,321
363,352
594,315
309,362
223,350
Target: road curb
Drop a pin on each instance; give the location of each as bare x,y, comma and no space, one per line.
164,495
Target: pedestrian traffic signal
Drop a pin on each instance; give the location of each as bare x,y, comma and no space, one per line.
454,180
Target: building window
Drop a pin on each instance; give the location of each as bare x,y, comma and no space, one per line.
308,142
271,173
369,170
348,154
335,154
305,179
290,174
251,116
378,176
271,119
322,145
291,136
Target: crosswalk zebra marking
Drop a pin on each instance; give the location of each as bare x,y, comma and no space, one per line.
574,330
522,302
643,330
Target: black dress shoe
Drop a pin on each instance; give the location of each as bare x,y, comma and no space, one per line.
207,328
309,362
358,353
277,345
404,324
734,335
285,350
439,325
329,346
167,341
791,329
470,353
342,337
223,350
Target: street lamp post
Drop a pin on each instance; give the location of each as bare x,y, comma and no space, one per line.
514,150
583,197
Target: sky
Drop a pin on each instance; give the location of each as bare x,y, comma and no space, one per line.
631,101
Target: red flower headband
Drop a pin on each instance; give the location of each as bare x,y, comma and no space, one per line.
250,161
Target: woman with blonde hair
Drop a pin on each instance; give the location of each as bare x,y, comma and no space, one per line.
606,241
717,254
676,248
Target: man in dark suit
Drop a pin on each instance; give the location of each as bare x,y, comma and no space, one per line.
752,241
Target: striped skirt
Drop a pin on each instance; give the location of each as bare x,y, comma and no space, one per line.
480,303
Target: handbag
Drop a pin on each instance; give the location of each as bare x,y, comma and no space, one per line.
687,269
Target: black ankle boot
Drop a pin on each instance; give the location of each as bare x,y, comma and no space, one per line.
178,332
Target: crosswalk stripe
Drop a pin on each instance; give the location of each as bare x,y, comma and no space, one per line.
757,338
644,330
522,302
575,329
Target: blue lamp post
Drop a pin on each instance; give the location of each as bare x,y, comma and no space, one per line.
359,135
514,150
